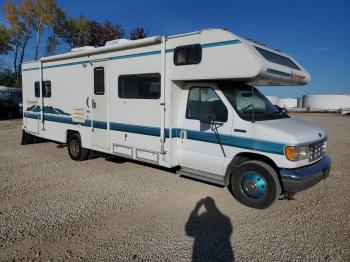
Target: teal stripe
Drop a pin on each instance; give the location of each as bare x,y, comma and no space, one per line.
135,55
32,115
223,43
67,64
59,119
227,140
234,141
30,69
99,124
144,130
170,50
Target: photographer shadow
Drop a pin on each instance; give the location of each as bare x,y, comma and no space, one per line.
211,231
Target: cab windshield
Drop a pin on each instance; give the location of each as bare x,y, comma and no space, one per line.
250,104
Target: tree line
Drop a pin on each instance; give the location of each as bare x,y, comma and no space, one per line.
29,19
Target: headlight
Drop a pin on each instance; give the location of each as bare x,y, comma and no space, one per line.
296,153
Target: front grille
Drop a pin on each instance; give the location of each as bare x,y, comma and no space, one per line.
317,150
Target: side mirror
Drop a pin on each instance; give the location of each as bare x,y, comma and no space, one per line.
282,110
208,118
206,114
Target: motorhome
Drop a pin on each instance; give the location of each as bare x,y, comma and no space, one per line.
186,101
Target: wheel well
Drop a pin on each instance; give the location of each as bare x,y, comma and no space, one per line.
246,156
71,132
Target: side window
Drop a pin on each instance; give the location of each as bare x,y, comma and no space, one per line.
145,86
37,89
46,89
188,55
99,81
203,101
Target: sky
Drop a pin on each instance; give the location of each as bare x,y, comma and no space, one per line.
314,32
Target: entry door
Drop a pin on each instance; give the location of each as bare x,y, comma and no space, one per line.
201,144
99,105
32,110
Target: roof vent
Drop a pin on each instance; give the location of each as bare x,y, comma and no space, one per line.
118,42
83,48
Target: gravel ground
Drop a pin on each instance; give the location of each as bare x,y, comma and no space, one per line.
55,209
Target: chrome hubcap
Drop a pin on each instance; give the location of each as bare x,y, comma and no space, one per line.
253,185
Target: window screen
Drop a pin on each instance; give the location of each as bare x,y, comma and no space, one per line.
99,81
46,87
187,55
203,100
145,86
277,59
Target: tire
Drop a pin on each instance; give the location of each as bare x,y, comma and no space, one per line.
75,149
255,184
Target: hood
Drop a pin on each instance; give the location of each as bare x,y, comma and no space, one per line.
290,131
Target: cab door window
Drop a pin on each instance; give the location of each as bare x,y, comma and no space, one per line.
203,101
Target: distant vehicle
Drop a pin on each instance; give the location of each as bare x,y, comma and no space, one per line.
185,101
11,102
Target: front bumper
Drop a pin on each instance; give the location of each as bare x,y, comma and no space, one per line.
296,180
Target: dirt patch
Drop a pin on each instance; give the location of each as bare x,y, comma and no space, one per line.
56,209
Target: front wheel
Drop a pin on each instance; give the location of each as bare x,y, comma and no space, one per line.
75,149
255,184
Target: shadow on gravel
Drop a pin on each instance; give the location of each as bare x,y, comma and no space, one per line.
121,160
211,231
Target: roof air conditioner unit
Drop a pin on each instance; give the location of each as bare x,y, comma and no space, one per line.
118,42
83,48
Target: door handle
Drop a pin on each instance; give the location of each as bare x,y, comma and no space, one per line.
93,103
183,134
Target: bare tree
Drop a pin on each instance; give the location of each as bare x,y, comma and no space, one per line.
55,28
138,33
43,15
20,18
5,40
76,32
101,33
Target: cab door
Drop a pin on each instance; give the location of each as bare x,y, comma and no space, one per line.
205,129
99,104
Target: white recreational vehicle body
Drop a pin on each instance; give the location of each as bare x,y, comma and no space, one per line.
181,101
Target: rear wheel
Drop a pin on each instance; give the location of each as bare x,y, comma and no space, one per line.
255,184
75,149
